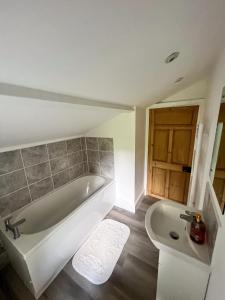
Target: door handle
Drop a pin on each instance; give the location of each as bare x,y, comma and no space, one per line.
186,169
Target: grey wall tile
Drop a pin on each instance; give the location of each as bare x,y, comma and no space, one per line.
61,178
75,158
34,155
104,154
41,188
14,201
211,224
106,157
92,143
76,171
12,181
68,160
57,149
59,164
93,156
73,145
94,168
107,171
10,161
105,144
38,172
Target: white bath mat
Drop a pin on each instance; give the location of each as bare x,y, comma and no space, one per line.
97,257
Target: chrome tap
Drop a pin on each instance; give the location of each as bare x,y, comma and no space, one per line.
188,216
13,227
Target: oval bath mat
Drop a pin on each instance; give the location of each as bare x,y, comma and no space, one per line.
97,257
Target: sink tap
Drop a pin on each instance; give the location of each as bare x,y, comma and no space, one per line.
188,216
13,227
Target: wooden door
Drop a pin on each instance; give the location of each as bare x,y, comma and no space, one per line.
171,142
219,178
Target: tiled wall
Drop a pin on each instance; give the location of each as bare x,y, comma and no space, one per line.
100,156
29,173
211,223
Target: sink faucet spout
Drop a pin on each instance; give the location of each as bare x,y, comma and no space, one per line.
186,218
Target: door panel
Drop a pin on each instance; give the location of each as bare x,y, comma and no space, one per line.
221,156
174,116
181,146
161,140
159,181
219,178
171,142
177,186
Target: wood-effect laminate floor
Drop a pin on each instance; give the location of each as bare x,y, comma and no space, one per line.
134,276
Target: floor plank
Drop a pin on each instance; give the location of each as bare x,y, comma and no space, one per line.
134,276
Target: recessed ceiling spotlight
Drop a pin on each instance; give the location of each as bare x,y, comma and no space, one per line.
171,57
178,79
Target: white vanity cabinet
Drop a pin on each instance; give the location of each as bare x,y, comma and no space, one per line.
179,279
184,266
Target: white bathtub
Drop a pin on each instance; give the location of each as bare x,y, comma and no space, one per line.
56,226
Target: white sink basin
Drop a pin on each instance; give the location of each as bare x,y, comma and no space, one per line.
163,218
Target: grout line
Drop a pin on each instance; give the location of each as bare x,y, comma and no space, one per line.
34,165
40,180
12,171
100,150
97,142
8,194
72,166
26,175
67,167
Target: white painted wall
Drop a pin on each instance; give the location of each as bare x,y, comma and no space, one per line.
26,121
216,289
122,130
198,90
139,152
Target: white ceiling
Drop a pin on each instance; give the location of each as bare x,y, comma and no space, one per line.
109,50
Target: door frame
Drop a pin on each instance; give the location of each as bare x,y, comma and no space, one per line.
182,103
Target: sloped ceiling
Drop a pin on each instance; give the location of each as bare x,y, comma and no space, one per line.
32,121
109,50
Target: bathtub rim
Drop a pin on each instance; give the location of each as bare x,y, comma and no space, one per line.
50,228
42,236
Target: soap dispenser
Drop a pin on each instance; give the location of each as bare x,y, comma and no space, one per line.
198,229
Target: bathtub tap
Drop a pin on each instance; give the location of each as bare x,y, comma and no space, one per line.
13,227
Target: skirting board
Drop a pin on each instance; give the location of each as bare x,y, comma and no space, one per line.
124,204
139,199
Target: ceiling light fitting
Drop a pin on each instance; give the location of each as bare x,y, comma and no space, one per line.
178,79
172,57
